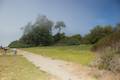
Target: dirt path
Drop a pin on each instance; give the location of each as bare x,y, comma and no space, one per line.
61,69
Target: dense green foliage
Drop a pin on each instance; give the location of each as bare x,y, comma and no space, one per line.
40,33
112,41
59,36
17,44
96,34
38,36
69,41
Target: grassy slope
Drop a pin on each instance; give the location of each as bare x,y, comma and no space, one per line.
79,54
18,68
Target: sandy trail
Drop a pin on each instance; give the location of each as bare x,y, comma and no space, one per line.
63,70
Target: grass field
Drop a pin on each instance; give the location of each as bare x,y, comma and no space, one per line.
79,54
18,68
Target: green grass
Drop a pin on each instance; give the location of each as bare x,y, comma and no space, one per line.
18,68
79,54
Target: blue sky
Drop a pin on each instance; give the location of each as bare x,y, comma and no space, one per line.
79,15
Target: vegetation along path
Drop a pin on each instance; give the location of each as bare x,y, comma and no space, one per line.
61,69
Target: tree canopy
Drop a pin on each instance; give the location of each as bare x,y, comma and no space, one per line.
39,33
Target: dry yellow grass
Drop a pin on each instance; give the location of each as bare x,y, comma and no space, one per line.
18,68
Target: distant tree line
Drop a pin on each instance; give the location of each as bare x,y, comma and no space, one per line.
40,33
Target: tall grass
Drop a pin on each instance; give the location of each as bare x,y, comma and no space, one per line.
18,68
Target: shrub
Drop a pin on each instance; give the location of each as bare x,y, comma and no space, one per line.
110,42
69,41
57,37
109,51
96,34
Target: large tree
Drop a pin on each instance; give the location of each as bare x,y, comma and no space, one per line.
59,25
39,33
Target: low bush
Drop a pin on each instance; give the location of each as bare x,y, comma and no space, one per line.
110,42
110,61
109,52
69,41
